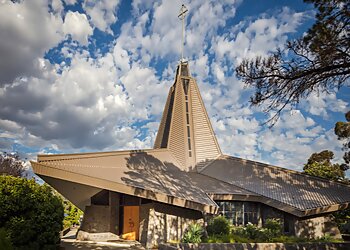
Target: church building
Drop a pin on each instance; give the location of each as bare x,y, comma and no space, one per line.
152,195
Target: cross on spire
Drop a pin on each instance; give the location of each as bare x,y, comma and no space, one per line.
181,16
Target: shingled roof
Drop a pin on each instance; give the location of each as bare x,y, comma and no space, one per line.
293,191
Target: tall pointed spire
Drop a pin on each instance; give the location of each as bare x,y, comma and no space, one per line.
185,128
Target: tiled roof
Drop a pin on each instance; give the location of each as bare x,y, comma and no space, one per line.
150,170
292,188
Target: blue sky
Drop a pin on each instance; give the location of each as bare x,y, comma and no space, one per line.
78,76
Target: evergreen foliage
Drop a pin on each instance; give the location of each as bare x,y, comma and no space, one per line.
271,230
29,213
218,226
317,62
320,165
72,214
342,130
193,234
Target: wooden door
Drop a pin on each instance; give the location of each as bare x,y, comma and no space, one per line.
131,223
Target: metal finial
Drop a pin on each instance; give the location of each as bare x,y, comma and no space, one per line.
181,16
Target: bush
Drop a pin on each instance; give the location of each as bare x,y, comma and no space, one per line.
71,214
193,234
253,233
5,242
218,226
220,239
273,227
31,215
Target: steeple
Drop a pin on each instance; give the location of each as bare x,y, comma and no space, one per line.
185,129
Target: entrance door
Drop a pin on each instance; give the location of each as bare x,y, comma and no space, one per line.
131,223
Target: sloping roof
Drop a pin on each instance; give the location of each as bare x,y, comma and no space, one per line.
305,193
152,174
211,185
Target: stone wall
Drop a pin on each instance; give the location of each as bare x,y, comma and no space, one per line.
316,227
96,219
165,223
256,246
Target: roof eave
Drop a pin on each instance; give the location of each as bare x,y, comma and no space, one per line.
45,170
326,209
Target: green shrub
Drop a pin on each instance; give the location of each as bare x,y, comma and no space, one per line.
193,234
240,239
31,215
288,239
253,233
220,239
218,226
5,242
72,214
273,227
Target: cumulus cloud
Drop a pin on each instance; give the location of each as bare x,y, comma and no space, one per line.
84,99
253,37
27,31
102,13
77,25
70,2
319,103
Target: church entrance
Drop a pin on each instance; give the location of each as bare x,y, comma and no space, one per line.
131,222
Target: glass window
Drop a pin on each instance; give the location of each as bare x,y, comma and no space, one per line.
239,213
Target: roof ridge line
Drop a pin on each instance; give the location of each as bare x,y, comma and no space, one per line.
91,154
209,163
289,170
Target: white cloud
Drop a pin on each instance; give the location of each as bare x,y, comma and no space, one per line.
103,13
97,102
27,31
259,36
57,6
121,58
70,2
77,25
319,104
138,82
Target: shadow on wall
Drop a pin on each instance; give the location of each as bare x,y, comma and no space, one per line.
317,227
147,172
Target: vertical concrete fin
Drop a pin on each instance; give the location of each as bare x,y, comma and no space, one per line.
205,142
